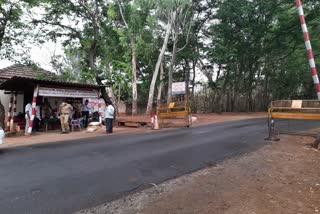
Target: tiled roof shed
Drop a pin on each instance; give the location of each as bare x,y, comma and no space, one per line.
20,78
26,71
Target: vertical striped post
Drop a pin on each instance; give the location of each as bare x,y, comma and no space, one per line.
99,110
15,105
9,112
99,107
34,104
309,48
14,111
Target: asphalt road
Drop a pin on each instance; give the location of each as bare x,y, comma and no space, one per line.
67,177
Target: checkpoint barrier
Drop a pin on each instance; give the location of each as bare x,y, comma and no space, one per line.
176,114
291,109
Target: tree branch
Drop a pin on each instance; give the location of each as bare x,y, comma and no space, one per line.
87,9
187,39
122,16
77,33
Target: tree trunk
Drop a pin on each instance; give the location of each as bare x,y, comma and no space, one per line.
91,60
134,66
265,92
236,89
194,63
156,70
104,94
134,79
172,63
161,85
119,98
111,92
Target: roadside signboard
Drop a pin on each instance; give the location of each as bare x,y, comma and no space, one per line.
61,92
178,88
296,104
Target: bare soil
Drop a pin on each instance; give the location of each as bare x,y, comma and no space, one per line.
282,177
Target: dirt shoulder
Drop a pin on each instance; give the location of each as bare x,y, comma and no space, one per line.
282,177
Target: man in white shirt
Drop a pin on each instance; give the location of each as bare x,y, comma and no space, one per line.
28,113
109,115
85,113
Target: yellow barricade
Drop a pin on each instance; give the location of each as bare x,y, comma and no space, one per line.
175,112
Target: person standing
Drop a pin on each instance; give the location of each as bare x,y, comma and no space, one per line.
85,113
37,119
65,111
28,113
109,115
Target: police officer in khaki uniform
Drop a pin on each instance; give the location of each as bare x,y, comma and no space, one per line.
65,111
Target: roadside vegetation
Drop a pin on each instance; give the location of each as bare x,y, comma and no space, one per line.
238,55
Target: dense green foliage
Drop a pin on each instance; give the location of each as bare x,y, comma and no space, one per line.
15,29
249,51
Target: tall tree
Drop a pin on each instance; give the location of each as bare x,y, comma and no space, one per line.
181,23
167,11
135,15
87,26
172,17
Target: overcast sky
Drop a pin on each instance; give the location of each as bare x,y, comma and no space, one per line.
41,55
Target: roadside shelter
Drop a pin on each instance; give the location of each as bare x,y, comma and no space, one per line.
33,83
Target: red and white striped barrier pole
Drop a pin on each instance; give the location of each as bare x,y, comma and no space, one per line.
152,120
99,107
312,63
99,110
34,104
14,113
9,112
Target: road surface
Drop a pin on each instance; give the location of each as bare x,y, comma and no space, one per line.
71,176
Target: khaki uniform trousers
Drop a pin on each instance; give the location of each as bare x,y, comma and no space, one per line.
64,120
